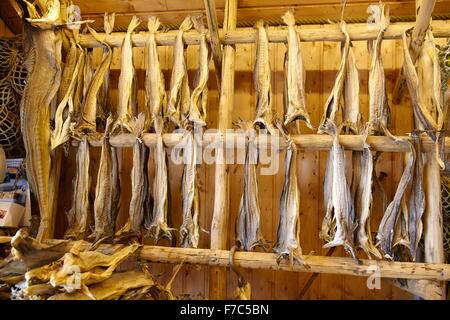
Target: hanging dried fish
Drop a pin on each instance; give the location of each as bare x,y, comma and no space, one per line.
295,94
78,217
424,86
340,203
139,203
261,80
351,114
388,223
244,289
126,78
104,106
60,134
379,112
155,93
179,94
158,226
363,202
89,109
43,64
416,201
199,97
248,233
331,107
103,211
288,235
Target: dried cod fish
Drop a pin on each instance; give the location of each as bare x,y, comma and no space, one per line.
248,233
379,112
179,93
189,230
390,218
104,219
351,114
199,96
158,227
295,94
112,288
139,203
104,106
244,289
331,107
288,235
89,109
261,80
43,64
78,217
126,78
340,203
363,202
155,93
424,86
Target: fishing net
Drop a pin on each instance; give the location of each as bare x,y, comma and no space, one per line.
445,190
9,117
7,53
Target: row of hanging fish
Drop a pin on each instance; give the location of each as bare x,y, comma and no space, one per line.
86,104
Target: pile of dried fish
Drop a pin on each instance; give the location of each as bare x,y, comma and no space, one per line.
35,271
248,233
295,95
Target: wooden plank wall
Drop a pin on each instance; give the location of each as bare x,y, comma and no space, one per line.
321,60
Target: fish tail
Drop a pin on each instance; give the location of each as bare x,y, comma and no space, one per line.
153,24
288,18
186,24
135,21
108,23
197,21
259,24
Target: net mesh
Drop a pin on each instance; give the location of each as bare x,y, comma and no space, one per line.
445,190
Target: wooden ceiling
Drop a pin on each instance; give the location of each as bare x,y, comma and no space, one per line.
172,12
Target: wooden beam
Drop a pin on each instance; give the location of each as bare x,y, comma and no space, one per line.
216,48
220,219
425,289
303,141
424,9
357,32
268,261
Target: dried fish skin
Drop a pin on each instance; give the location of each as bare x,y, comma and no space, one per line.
331,107
288,234
341,200
379,112
44,66
126,78
103,217
328,228
294,76
155,93
104,106
79,215
179,93
189,230
199,96
388,223
248,233
158,227
89,109
261,80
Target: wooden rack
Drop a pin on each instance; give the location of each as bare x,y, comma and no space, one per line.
433,271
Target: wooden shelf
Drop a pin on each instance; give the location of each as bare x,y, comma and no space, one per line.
303,141
357,32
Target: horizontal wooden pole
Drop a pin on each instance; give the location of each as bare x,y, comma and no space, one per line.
303,141
268,261
357,32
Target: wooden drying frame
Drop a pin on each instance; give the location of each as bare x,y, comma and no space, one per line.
424,279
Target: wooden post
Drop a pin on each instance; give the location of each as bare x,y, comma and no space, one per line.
424,9
219,225
216,48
